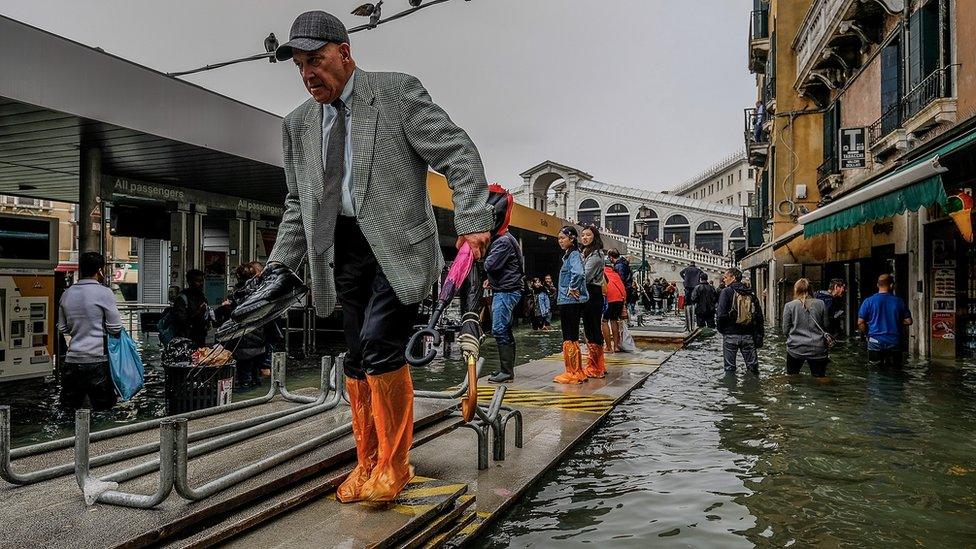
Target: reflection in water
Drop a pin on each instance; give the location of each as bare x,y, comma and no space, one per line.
697,458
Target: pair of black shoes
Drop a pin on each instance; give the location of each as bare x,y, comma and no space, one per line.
263,299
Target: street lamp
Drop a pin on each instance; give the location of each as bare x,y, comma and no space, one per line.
643,219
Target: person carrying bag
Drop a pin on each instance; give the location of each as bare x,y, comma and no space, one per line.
806,340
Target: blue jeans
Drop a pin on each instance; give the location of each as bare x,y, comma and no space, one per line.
502,306
732,345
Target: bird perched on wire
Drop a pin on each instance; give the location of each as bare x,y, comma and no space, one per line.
373,11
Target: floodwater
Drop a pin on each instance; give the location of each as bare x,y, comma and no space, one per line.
695,458
36,416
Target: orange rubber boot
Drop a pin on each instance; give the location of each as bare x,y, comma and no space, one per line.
596,365
392,400
573,363
364,430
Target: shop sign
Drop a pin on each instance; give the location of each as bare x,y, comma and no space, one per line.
944,305
852,148
119,186
943,325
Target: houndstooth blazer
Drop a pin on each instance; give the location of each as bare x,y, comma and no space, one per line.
397,131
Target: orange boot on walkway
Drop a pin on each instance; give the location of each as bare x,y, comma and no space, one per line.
364,431
573,363
596,365
392,401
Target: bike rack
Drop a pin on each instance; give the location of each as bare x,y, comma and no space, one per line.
278,386
491,420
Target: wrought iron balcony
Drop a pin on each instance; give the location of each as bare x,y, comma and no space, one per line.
758,40
829,175
929,103
756,133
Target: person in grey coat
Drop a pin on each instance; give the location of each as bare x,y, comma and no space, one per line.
804,319
356,157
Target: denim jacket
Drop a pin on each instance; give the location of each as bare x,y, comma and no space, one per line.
571,276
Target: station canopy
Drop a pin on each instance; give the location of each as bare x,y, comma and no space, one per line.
58,97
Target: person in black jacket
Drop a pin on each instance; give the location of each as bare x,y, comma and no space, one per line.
190,309
704,297
740,320
506,277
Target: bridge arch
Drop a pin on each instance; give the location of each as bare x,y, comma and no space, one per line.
677,230
653,223
589,212
709,236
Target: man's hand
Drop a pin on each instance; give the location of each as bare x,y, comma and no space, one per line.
477,241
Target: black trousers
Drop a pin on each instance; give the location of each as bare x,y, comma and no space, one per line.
887,358
593,315
87,385
377,325
569,320
705,318
818,366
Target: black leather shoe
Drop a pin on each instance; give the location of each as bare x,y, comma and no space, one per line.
274,291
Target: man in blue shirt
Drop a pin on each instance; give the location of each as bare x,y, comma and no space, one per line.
882,318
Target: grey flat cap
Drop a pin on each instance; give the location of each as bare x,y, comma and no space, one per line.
310,31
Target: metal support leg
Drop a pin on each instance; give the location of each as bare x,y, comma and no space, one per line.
98,490
482,433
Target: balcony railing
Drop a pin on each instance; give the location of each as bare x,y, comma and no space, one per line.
759,25
753,127
935,86
830,167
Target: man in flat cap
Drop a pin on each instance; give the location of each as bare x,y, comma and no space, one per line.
356,157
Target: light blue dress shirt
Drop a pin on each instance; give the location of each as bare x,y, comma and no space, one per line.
328,117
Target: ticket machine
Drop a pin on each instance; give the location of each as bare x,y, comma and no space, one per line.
28,257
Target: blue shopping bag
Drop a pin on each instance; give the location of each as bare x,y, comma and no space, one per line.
125,364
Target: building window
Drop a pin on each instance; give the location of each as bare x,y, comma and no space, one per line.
652,224
677,230
133,247
588,212
750,173
708,236
618,219
750,197
891,74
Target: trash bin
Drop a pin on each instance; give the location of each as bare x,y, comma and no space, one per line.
190,387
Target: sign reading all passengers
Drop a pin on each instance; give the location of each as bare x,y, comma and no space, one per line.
852,148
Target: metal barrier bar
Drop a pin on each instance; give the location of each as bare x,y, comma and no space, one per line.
68,442
96,490
233,438
8,474
278,360
220,484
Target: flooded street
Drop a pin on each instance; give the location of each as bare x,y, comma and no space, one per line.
698,459
695,458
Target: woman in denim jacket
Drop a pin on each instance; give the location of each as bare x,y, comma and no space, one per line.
571,298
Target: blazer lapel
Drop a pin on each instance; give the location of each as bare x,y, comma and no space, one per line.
313,172
364,116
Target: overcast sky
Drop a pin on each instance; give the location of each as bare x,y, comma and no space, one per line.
643,93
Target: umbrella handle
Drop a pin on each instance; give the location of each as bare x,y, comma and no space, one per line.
415,340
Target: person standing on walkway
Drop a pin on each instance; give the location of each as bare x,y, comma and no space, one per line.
593,261
622,267
357,212
882,318
739,319
506,277
190,310
86,312
704,297
833,299
613,317
690,276
803,322
571,298
553,296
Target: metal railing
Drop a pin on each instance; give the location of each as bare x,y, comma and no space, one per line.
830,166
934,86
753,128
759,24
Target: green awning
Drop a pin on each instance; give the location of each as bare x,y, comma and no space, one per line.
925,193
906,188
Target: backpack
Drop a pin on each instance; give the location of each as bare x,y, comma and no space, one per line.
744,308
167,325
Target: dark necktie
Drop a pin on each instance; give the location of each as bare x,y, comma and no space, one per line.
335,171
